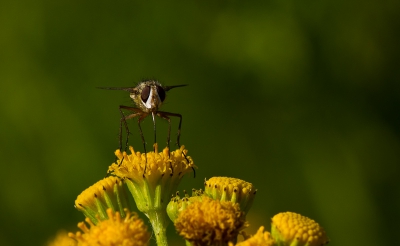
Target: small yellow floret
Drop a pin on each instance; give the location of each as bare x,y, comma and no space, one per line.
260,239
62,239
210,222
128,231
292,227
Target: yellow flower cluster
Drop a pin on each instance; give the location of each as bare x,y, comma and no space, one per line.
215,216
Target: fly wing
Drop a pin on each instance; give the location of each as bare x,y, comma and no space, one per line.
167,88
128,89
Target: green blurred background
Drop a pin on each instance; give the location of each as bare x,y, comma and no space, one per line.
301,98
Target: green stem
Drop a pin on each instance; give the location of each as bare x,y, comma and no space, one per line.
159,224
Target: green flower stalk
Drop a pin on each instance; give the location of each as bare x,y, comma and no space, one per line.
231,189
109,192
152,178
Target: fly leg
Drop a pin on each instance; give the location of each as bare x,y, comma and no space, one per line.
168,136
141,115
141,118
166,114
155,130
165,117
137,112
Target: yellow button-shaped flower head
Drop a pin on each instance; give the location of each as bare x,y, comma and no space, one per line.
210,222
231,189
294,229
128,231
107,193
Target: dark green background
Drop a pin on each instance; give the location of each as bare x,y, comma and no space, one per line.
301,98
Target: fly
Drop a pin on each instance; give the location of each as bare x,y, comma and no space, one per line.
148,96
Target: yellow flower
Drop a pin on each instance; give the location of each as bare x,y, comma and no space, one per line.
128,231
152,178
231,189
294,229
62,239
106,193
260,239
210,222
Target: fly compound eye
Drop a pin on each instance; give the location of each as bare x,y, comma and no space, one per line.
161,93
145,94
